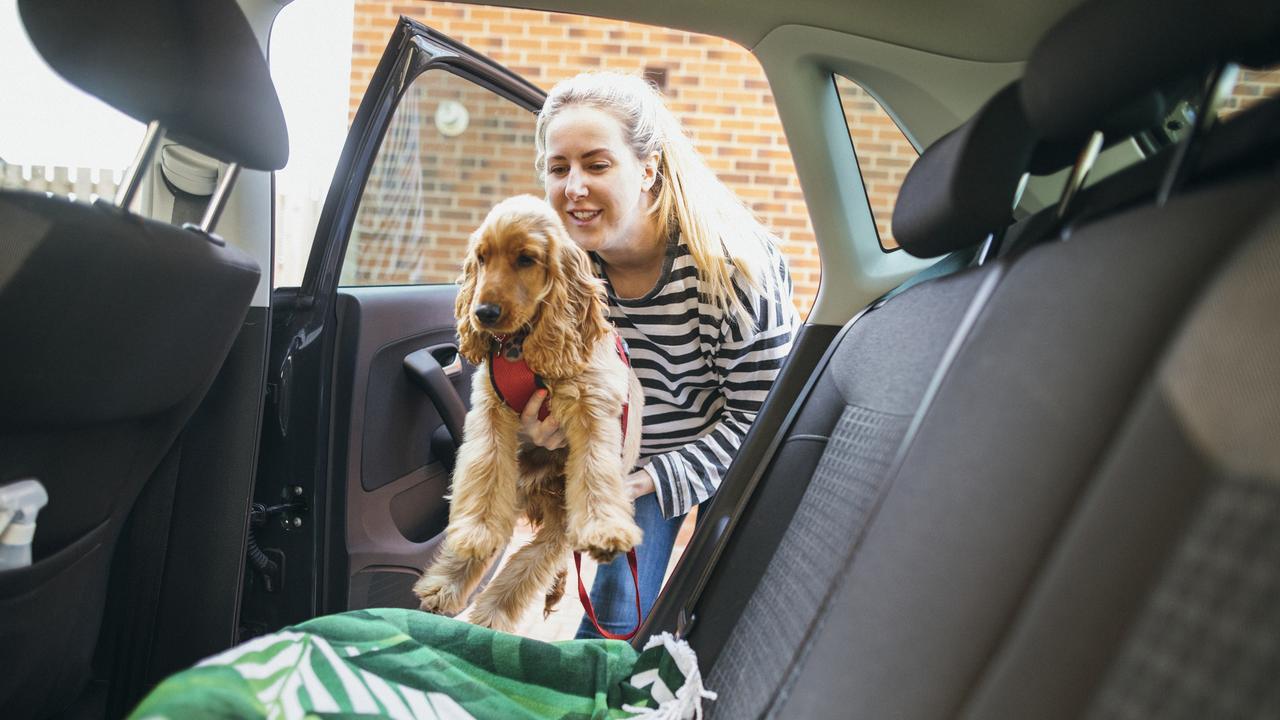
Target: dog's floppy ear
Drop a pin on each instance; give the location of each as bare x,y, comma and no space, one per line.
472,343
572,318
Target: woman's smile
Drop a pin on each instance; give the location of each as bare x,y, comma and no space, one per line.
583,217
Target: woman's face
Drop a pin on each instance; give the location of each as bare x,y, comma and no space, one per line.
595,182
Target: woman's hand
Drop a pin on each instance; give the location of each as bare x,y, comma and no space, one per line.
547,434
543,433
640,483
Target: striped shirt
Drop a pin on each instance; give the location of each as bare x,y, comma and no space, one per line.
704,375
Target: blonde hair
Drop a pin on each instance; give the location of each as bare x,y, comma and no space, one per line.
722,234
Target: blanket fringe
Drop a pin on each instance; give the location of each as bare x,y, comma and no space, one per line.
687,703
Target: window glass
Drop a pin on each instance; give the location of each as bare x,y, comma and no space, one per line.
453,150
883,151
54,137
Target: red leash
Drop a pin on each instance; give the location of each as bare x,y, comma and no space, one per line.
585,598
515,383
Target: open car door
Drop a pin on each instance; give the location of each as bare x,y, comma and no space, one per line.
365,389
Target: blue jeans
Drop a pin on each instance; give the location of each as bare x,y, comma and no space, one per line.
612,594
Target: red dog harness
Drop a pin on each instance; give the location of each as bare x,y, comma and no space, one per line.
515,383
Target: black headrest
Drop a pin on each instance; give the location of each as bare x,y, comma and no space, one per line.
193,65
1106,53
962,186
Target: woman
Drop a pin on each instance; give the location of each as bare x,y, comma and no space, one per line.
696,287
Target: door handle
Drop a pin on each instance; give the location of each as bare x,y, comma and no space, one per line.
425,371
454,368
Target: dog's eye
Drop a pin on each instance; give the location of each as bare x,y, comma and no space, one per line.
525,261
479,259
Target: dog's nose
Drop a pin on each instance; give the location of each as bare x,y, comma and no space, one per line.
488,313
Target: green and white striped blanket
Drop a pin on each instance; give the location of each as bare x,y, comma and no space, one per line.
408,664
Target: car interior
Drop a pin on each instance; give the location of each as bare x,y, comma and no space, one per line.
1024,467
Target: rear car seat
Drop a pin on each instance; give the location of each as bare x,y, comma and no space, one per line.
864,408
113,325
1016,543
859,411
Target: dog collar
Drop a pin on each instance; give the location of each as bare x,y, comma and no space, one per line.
515,382
511,375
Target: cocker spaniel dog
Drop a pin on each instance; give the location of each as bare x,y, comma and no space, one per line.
527,292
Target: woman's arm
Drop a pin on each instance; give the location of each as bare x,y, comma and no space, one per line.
747,363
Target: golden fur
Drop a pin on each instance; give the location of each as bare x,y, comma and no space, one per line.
522,260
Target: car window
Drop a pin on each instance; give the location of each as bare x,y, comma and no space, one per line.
716,88
884,153
452,151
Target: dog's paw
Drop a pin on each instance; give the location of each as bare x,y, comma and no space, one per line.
475,542
439,595
604,540
493,616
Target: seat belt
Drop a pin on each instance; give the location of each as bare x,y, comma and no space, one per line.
951,263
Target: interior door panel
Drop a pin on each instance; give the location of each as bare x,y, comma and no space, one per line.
396,477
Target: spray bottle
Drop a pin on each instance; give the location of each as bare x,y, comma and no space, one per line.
19,503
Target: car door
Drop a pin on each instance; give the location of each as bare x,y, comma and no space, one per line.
365,389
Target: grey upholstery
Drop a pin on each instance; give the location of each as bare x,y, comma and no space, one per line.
973,513
879,375
831,474
1051,463
1161,598
896,614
